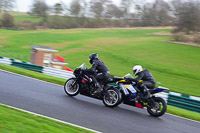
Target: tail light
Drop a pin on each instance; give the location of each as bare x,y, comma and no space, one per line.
138,105
83,80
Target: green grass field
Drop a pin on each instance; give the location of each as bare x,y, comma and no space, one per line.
174,66
12,120
21,16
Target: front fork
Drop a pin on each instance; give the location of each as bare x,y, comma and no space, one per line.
150,102
74,83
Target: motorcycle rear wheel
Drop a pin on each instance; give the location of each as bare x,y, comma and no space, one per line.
112,97
71,87
159,108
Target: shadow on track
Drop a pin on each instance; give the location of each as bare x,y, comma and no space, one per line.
97,105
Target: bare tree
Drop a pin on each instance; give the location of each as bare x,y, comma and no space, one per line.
97,8
6,5
162,10
40,8
75,8
1,5
175,7
125,6
188,16
112,11
84,12
156,14
84,8
58,8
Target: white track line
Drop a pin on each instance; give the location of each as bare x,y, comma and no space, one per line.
29,77
50,118
61,85
183,117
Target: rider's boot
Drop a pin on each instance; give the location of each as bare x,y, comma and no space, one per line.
146,93
98,89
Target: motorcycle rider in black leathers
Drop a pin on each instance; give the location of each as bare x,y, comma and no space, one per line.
99,72
148,81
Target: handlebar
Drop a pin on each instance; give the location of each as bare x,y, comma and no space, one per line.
117,78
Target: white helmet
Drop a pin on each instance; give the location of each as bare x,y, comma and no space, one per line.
137,69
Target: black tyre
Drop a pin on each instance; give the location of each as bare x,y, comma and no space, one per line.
112,97
158,108
71,87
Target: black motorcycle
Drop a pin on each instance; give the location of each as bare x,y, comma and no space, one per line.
82,83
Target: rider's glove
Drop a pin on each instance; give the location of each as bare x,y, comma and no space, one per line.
128,80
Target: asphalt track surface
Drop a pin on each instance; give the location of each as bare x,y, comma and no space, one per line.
50,100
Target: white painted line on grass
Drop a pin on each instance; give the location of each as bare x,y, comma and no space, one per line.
51,118
61,85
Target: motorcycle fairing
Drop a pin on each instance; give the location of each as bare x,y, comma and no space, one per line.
159,89
127,89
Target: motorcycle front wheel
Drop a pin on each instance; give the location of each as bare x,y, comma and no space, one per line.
112,97
158,107
71,87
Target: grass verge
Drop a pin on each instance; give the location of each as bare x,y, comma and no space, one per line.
171,109
13,120
183,113
33,74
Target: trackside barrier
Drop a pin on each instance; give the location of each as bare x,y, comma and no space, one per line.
164,95
175,99
57,73
27,66
184,101
4,60
46,70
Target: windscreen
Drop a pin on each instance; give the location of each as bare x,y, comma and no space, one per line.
83,66
128,76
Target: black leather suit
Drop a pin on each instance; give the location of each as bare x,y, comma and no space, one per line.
147,78
99,72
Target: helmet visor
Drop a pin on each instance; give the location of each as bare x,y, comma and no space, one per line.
134,72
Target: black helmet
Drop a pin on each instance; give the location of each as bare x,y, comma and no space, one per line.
92,57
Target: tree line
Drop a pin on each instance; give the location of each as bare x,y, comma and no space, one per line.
185,14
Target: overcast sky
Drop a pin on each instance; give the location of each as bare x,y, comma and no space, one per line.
24,5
